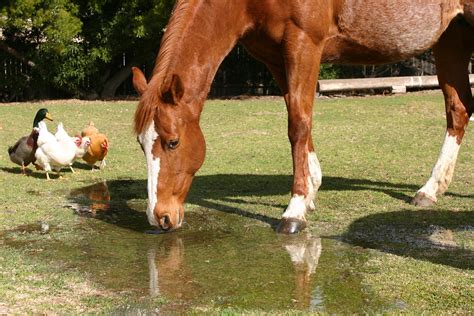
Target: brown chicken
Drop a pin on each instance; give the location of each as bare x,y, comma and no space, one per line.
89,130
98,148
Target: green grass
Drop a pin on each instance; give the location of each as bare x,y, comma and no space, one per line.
375,152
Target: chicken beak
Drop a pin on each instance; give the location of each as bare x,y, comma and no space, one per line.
48,116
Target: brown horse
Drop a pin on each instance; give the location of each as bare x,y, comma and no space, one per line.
292,37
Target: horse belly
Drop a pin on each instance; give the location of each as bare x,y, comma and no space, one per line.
376,31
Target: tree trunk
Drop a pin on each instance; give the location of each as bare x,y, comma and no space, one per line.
112,84
13,52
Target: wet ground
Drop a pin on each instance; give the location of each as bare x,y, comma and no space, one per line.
217,259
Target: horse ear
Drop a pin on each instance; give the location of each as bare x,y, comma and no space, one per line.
172,90
139,80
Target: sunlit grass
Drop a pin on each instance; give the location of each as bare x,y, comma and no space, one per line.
375,153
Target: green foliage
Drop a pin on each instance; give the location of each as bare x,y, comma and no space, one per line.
329,71
44,33
47,26
73,68
79,46
113,28
69,41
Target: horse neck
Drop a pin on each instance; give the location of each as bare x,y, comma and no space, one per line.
198,37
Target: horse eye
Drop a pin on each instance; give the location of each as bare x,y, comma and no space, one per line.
173,144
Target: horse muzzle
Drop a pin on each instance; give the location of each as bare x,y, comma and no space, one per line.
170,219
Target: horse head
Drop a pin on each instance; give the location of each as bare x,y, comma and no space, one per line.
174,147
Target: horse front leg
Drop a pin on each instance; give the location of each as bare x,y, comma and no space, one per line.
302,61
452,54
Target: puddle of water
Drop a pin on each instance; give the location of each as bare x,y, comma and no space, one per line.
215,260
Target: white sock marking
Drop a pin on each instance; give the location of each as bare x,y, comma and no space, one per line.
296,208
300,204
444,168
314,179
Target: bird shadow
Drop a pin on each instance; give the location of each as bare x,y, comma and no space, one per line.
13,170
39,174
81,166
29,173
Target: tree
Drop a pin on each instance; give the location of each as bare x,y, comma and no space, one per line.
121,34
40,34
78,47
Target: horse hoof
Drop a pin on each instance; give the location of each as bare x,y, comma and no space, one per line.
423,200
290,226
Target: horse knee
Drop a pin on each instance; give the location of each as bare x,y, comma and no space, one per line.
458,118
298,131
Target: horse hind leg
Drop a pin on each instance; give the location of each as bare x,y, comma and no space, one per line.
452,54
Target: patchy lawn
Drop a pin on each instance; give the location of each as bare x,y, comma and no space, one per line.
379,253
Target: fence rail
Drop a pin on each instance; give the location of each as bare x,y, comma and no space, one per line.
396,84
240,74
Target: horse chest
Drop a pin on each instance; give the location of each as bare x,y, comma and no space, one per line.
390,29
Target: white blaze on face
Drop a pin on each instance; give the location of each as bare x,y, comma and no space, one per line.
147,139
300,204
442,173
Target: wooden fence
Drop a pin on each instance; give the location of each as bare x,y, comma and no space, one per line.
239,74
393,84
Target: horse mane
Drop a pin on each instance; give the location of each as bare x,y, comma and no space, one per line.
172,39
145,112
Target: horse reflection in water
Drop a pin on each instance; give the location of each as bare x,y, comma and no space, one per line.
304,253
166,268
167,265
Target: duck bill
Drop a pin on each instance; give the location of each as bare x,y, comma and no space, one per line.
48,116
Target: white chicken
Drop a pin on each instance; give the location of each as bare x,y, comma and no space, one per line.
82,143
59,150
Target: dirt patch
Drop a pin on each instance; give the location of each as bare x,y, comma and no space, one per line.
441,237
4,310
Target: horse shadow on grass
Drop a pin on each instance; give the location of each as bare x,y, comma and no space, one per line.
421,234
217,192
438,236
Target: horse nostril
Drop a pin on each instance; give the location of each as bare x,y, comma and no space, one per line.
165,222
